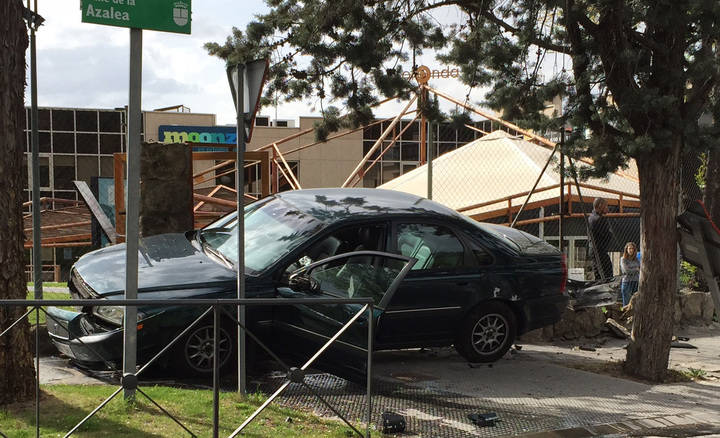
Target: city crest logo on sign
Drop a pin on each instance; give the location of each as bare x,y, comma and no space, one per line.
180,13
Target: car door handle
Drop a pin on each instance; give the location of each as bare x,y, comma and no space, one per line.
462,283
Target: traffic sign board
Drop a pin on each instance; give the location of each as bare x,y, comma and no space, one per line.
163,15
254,74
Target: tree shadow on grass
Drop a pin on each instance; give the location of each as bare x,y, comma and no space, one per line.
58,417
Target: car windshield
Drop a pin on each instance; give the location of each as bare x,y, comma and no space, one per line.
272,229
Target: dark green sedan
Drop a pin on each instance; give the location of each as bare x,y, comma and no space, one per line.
457,282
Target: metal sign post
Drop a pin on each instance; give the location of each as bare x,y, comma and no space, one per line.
133,205
165,15
34,138
246,83
240,190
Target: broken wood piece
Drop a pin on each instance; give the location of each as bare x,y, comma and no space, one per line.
617,329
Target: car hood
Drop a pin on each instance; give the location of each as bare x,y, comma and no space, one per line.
165,261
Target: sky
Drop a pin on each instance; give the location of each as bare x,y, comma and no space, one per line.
87,65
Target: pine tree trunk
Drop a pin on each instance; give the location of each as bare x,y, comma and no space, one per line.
17,374
649,350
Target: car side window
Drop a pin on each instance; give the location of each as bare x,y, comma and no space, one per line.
434,246
482,255
369,237
358,276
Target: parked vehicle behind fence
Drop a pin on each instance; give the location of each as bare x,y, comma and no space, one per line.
472,285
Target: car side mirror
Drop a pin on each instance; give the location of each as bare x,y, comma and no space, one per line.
301,281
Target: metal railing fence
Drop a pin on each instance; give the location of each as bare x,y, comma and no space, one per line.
218,307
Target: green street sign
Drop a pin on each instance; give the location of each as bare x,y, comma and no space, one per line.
163,15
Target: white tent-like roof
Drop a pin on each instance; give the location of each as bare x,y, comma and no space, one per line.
493,173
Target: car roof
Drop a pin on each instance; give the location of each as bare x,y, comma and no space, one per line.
333,204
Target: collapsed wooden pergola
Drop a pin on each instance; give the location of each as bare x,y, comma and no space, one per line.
509,206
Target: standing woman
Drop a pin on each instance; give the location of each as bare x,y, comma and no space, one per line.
630,268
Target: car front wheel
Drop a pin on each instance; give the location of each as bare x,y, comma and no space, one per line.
487,333
196,354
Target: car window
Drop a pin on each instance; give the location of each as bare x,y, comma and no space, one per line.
369,237
271,230
364,276
434,246
482,255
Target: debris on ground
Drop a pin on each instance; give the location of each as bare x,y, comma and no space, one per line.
678,344
392,422
482,420
617,329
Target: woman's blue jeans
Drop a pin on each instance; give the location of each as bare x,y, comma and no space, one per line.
628,288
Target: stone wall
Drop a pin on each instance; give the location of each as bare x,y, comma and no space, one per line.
166,196
691,308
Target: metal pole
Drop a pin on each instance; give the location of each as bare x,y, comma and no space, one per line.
134,119
542,172
240,187
37,252
371,321
216,371
429,160
562,190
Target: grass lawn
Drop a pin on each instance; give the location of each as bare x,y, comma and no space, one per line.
50,284
63,406
47,296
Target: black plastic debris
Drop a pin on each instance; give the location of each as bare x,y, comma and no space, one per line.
482,420
392,422
678,344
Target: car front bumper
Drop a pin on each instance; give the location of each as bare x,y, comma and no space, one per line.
77,337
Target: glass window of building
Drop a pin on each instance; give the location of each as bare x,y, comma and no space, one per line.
63,142
87,143
63,172
87,121
63,120
87,167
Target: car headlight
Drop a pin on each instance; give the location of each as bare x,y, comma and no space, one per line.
113,314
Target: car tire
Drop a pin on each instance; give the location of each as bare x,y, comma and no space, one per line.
194,353
487,332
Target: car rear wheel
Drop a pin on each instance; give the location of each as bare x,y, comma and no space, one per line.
196,355
487,333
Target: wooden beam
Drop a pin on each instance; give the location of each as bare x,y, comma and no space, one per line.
378,143
96,210
119,176
63,245
61,226
60,239
217,201
402,131
287,166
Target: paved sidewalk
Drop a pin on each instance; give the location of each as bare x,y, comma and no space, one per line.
533,392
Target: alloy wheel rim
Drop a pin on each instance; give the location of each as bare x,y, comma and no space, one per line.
199,349
489,334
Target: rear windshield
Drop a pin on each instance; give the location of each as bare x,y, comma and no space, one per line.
523,242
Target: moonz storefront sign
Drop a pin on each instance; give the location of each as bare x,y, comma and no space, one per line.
163,15
198,134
